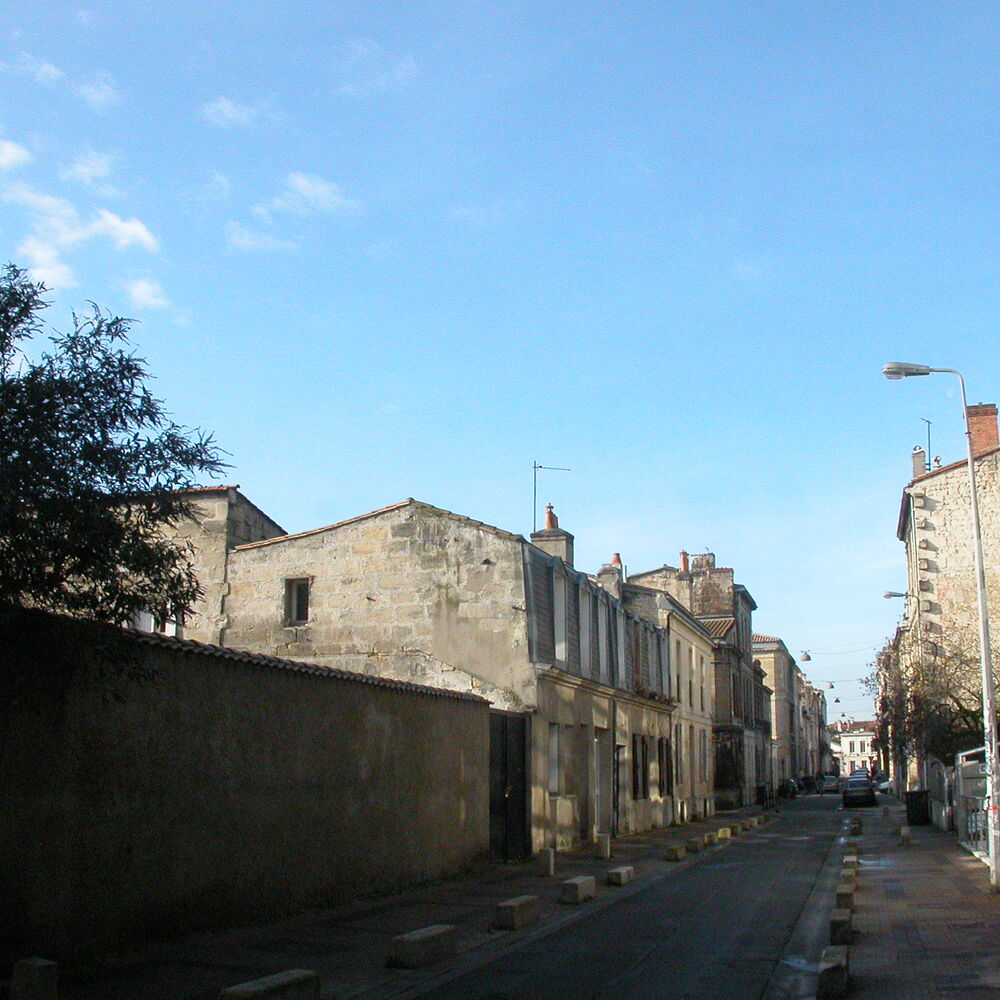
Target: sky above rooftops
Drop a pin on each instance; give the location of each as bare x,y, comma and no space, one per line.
408,249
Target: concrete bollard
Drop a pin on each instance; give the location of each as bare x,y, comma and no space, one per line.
423,947
545,861
513,914
904,836
295,984
34,979
604,845
675,852
724,833
621,876
834,973
711,838
694,845
845,894
578,890
841,926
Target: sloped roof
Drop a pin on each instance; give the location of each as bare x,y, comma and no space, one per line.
408,502
191,647
718,628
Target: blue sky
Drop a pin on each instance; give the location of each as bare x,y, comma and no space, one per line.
407,249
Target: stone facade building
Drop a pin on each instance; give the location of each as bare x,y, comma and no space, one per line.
741,709
783,677
587,733
935,651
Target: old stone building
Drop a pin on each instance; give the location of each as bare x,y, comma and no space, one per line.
741,709
934,655
783,677
586,732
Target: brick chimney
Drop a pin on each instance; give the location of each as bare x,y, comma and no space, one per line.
982,419
552,539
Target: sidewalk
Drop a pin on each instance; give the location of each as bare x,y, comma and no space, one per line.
348,945
926,925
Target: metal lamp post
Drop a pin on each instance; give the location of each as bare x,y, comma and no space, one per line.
897,370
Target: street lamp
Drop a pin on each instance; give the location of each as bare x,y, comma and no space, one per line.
897,370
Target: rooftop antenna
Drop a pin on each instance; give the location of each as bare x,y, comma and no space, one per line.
534,491
927,457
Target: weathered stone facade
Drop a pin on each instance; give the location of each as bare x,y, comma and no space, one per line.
414,592
783,677
741,709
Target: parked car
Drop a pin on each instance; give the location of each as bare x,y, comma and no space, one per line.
858,791
788,788
828,783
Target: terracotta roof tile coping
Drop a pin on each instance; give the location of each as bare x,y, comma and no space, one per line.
757,637
192,647
408,502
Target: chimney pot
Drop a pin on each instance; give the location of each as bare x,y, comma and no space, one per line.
684,562
551,521
616,559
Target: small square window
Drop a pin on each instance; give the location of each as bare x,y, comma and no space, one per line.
297,601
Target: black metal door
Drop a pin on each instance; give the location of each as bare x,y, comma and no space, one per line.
508,787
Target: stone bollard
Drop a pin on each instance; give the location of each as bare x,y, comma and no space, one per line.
545,861
904,836
850,862
711,838
513,914
834,973
422,947
841,926
295,984
675,852
694,844
885,810
845,894
604,845
724,833
578,890
621,876
34,979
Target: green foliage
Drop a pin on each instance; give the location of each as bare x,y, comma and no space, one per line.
90,469
930,700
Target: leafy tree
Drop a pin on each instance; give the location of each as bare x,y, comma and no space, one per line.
930,699
90,466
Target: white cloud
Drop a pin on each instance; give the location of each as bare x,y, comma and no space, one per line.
218,186
304,194
12,155
46,264
494,213
146,293
368,69
98,90
56,226
39,70
89,168
229,114
240,237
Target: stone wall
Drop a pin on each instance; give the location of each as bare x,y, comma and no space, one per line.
403,586
203,787
940,551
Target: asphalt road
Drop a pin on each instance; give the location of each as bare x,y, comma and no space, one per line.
733,926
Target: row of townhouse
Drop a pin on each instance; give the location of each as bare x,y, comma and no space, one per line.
929,675
800,742
618,703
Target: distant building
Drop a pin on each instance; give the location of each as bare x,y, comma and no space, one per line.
855,745
741,713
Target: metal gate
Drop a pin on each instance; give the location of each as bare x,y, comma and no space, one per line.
509,839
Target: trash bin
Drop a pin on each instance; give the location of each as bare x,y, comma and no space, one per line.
918,810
